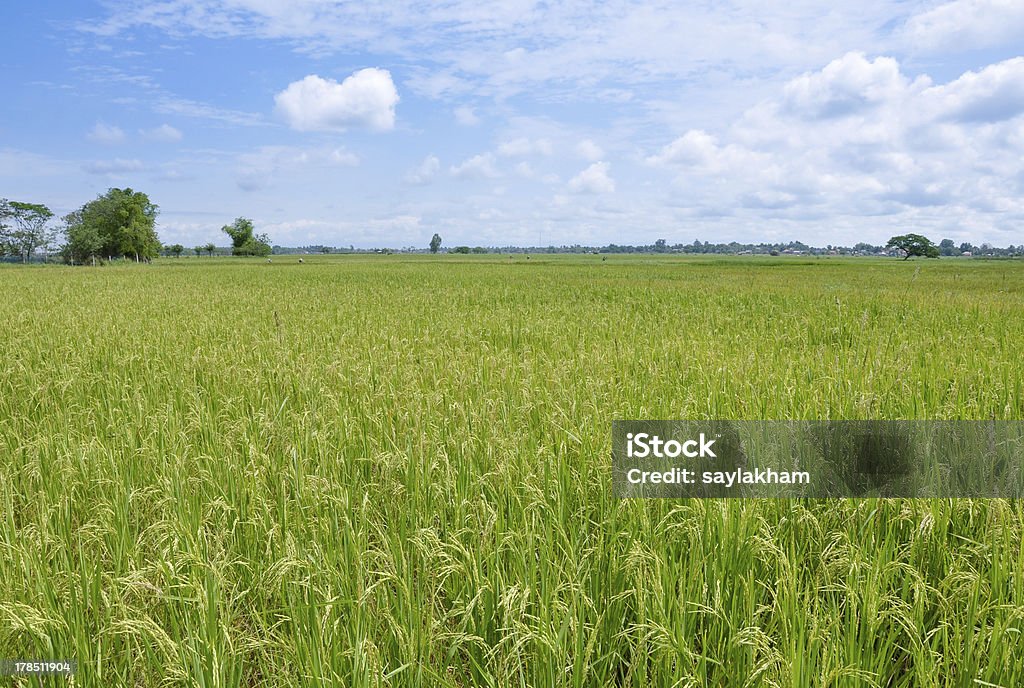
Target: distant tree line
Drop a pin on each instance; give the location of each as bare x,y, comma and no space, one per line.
120,223
946,248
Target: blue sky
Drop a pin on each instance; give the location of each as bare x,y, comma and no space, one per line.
377,124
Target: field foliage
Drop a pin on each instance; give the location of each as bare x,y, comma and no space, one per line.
395,471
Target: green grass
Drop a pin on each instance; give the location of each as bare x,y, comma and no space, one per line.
395,471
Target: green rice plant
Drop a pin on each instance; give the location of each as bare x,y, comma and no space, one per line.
395,471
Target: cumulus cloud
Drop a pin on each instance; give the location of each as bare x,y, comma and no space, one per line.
476,167
845,86
966,25
994,94
588,150
593,180
694,147
858,138
699,149
425,172
165,133
367,98
106,134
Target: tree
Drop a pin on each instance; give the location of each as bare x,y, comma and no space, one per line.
176,250
243,240
240,231
947,247
435,243
913,245
29,230
82,240
210,248
125,222
5,216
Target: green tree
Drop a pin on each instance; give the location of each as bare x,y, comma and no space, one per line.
28,229
435,243
210,248
5,216
83,242
198,250
176,250
913,245
124,220
240,231
244,242
947,247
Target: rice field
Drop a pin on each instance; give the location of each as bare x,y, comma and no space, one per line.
395,471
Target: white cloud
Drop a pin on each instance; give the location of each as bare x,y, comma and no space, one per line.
106,134
425,172
754,119
291,157
165,133
522,147
173,105
393,230
694,147
114,167
466,116
966,25
573,49
367,98
524,170
258,169
845,86
477,167
994,94
342,158
859,139
593,180
700,150
588,150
